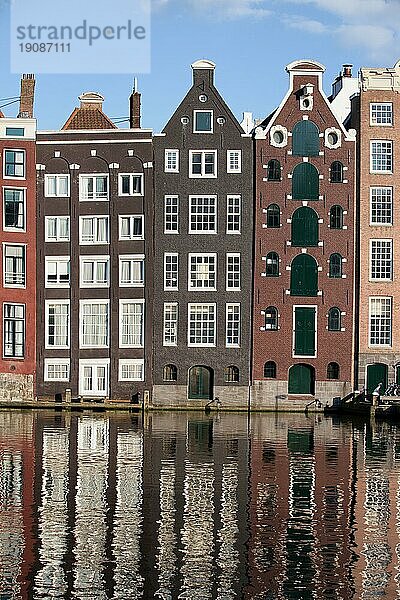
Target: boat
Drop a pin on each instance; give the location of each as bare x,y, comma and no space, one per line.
355,403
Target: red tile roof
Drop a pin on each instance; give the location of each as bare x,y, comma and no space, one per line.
88,118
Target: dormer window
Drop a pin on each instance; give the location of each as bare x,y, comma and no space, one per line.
203,121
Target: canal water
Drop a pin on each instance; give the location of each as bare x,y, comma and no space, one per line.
195,506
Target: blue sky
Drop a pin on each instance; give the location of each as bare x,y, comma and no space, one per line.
250,41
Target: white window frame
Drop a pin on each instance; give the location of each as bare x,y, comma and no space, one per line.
201,259
131,187
389,303
229,155
57,362
386,196
169,214
95,197
211,112
140,333
191,214
92,302
230,323
56,177
60,261
380,263
15,320
233,255
94,363
170,323
373,107
95,259
203,174
172,287
202,305
17,177
307,356
131,221
233,214
23,273
131,258
22,192
175,162
96,240
137,363
66,326
372,142
56,219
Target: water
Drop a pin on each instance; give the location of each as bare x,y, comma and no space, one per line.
175,506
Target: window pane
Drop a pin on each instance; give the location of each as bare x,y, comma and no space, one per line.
203,121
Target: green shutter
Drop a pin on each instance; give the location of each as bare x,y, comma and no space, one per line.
376,374
305,227
304,276
301,379
304,331
305,139
305,182
200,383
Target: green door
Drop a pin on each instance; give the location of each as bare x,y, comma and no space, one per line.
200,383
305,227
377,373
305,182
304,331
301,379
305,139
304,276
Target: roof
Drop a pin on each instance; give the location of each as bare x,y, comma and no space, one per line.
88,118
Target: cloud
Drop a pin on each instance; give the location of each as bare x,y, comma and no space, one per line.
232,9
304,24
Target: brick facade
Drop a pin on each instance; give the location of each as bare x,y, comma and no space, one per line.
277,344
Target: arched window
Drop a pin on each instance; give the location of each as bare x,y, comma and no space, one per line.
271,318
304,276
333,370
334,319
335,265
336,172
170,373
305,139
231,374
273,216
336,217
304,227
270,369
273,170
272,264
305,182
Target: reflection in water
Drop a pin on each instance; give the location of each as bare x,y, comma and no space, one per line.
198,507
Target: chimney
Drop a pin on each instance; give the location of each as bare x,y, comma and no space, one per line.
135,107
347,70
27,96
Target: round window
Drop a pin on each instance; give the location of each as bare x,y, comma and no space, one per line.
221,120
185,120
278,137
306,103
203,98
332,138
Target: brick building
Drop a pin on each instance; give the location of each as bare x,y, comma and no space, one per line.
376,111
304,248
18,246
94,255
203,251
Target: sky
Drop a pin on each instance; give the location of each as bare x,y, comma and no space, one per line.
251,42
